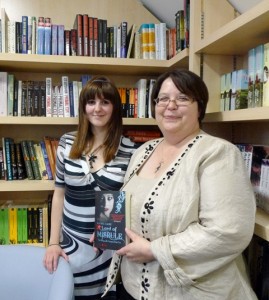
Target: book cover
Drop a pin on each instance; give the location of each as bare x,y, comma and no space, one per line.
112,216
4,228
251,77
41,161
241,100
151,37
144,32
13,225
258,85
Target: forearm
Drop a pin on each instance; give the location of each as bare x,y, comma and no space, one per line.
56,215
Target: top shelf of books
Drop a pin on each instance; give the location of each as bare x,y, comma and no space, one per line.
231,38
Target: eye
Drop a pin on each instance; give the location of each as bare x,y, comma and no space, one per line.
91,102
183,99
106,102
163,99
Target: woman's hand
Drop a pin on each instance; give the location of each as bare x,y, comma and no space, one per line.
138,250
51,258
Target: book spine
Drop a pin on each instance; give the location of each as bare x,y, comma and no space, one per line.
30,97
79,27
18,37
30,35
104,37
48,146
41,161
91,47
67,42
35,98
13,160
4,159
60,40
54,39
10,94
11,36
33,159
47,36
66,97
123,46
20,164
85,35
42,99
24,34
27,162
95,37
24,98
74,45
3,94
34,29
8,158
71,98
15,103
2,170
40,36
13,225
48,97
46,159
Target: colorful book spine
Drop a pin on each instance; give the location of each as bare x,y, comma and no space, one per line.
24,34
54,39
48,97
60,40
65,95
33,159
46,159
41,35
47,37
265,101
7,142
27,162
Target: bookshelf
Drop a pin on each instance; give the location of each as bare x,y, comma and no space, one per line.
220,45
226,39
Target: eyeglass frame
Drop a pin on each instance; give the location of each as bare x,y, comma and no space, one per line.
166,103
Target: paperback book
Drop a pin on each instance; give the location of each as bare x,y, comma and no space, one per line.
112,216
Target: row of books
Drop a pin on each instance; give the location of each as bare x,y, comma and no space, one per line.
44,98
28,159
247,88
142,136
25,224
256,158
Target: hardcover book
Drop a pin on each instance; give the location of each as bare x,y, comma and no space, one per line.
112,216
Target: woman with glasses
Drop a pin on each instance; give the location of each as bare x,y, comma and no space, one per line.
192,209
93,158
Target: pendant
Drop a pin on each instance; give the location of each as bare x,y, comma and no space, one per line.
92,158
158,167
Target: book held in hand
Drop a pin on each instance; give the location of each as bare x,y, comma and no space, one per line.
112,216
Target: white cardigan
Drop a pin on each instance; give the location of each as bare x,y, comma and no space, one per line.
200,218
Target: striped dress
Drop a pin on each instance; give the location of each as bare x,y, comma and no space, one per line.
89,268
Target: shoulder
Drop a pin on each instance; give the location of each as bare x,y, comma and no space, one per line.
127,145
68,138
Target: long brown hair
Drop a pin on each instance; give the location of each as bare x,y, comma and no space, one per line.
101,87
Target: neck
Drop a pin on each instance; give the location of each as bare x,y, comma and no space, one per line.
173,140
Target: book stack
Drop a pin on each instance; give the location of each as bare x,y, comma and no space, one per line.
25,224
142,136
28,159
256,158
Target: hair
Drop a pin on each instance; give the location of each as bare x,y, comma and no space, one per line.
103,88
188,83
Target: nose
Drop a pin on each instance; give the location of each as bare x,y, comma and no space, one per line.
172,104
97,105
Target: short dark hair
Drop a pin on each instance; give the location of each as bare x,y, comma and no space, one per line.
188,83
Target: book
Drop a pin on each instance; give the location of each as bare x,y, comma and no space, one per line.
24,34
258,84
4,228
66,97
78,25
47,36
251,77
151,39
144,33
33,159
85,34
241,99
265,100
6,144
41,161
4,36
48,97
20,162
54,39
141,86
112,216
60,46
40,44
48,145
10,94
123,46
3,94
46,159
27,162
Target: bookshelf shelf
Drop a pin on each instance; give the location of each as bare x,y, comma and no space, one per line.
241,115
231,38
26,185
262,224
46,121
81,64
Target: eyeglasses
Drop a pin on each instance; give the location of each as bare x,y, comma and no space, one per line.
163,101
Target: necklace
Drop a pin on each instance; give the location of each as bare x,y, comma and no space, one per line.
93,156
161,162
159,166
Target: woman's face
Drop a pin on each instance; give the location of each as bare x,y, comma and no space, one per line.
175,119
109,203
99,111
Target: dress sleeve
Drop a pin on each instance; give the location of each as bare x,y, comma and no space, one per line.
225,220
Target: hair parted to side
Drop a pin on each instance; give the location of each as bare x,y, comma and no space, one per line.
187,83
103,88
